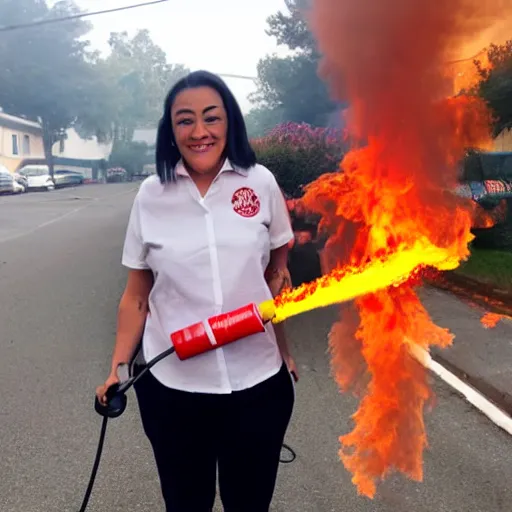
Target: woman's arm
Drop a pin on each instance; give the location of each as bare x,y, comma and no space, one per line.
278,279
277,274
131,316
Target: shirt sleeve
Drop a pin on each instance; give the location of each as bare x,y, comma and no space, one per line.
280,228
134,256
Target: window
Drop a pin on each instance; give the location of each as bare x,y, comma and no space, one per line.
15,149
26,144
33,170
61,146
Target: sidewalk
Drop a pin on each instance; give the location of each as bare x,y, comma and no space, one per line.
480,356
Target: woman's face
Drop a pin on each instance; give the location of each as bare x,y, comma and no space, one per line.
200,128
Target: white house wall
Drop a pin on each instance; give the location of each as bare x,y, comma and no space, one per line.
82,149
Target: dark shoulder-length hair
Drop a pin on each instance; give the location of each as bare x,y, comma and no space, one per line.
238,148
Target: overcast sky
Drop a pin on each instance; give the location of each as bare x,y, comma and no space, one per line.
223,36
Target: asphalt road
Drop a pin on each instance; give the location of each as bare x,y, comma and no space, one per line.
60,280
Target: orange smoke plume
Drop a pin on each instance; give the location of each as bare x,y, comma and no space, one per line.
464,74
389,58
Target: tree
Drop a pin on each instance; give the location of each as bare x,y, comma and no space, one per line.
291,86
131,156
292,29
261,120
138,72
496,84
54,80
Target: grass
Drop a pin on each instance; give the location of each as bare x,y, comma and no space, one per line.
490,267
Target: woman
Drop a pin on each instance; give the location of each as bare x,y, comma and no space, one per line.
208,235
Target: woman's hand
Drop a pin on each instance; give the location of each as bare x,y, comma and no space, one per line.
101,391
279,279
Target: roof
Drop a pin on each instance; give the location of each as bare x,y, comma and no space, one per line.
9,120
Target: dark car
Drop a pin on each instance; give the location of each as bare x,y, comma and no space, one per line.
67,178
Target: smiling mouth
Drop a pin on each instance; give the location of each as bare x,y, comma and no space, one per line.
201,148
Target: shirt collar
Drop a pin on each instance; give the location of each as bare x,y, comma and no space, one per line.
227,166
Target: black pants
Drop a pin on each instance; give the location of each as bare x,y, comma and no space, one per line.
193,433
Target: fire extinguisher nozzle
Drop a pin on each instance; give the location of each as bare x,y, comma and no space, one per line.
267,310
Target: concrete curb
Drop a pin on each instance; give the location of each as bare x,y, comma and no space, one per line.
489,297
499,398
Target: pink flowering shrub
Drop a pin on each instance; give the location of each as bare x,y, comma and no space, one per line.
298,153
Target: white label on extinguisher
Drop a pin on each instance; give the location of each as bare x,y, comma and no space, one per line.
209,332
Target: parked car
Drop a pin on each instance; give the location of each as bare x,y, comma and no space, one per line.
6,181
21,180
17,188
65,178
116,175
38,177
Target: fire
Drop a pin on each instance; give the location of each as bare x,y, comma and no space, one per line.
489,218
348,283
491,320
389,212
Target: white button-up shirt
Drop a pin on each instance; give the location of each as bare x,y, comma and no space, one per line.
208,256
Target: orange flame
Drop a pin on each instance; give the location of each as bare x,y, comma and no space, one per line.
390,205
491,320
489,218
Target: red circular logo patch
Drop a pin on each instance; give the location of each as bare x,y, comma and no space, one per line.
245,202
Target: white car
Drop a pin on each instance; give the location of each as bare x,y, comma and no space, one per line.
17,188
38,177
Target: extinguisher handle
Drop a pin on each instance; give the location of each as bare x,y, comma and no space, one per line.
116,394
116,403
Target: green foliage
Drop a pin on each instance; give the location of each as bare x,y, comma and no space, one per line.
292,86
496,84
490,267
298,153
139,77
261,120
290,89
292,29
46,70
131,156
50,75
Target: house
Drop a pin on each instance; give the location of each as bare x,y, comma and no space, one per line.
20,141
503,142
87,156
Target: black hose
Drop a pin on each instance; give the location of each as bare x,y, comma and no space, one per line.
92,478
99,451
293,455
116,404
